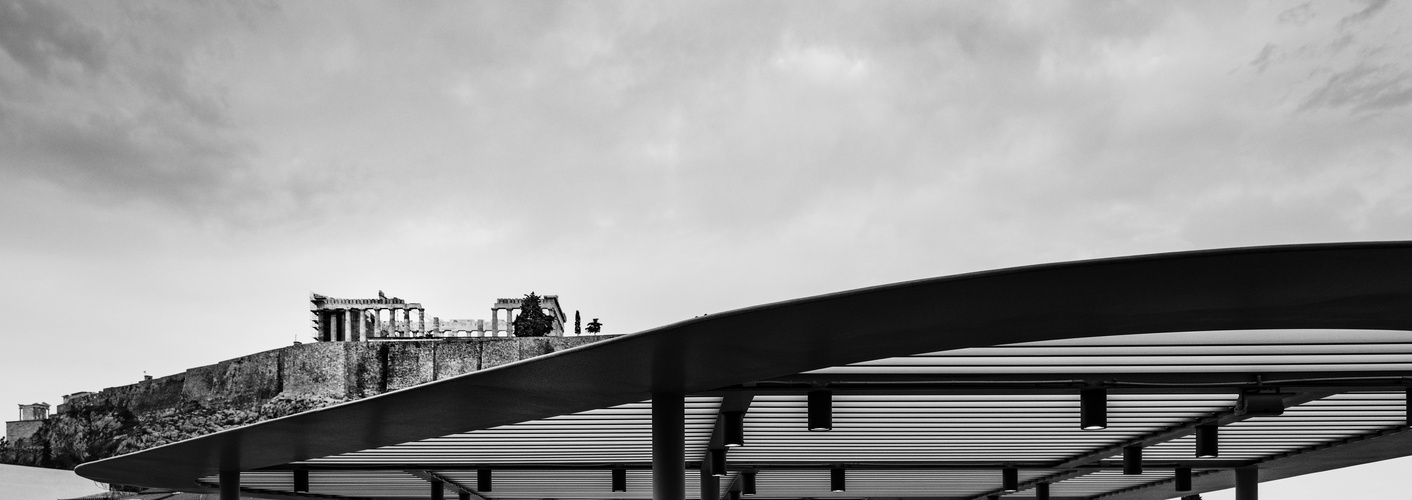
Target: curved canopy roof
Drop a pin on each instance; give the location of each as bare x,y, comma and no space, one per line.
938,386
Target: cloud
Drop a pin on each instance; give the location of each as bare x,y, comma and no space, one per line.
1364,88
1372,9
114,104
42,38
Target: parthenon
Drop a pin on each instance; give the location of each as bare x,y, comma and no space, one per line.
383,318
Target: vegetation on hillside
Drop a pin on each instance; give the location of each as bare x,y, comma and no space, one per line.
95,432
532,321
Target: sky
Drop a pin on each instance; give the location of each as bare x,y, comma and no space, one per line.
176,178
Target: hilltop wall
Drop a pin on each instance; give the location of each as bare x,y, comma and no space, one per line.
251,389
338,370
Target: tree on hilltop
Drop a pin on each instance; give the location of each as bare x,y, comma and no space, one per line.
532,322
594,326
578,330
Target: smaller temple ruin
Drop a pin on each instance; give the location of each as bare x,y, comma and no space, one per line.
32,417
383,318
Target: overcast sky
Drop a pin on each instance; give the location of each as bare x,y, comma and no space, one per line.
178,176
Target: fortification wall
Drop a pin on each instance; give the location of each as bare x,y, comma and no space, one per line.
250,389
21,429
334,370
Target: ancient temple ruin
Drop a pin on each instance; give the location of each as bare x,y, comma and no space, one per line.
32,417
383,318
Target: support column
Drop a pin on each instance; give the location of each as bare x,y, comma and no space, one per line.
510,322
710,487
347,333
337,324
1247,483
356,333
230,485
494,321
438,490
325,326
422,321
668,446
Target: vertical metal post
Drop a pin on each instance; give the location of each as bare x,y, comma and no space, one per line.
668,446
1183,479
301,481
1247,483
438,490
230,485
1132,459
710,488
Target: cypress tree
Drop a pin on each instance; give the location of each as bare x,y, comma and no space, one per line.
532,322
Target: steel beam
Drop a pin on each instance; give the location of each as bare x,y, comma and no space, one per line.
1040,383
734,402
779,465
1178,431
432,477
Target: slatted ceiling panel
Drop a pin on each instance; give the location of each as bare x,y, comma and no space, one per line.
1320,421
270,480
339,483
1235,338
1254,351
883,483
590,484
617,434
958,428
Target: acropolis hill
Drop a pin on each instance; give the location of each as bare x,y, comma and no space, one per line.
270,384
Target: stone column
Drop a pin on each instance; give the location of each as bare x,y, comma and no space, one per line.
356,332
510,322
494,321
325,326
348,320
422,321
335,325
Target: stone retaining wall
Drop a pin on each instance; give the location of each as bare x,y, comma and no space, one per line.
339,370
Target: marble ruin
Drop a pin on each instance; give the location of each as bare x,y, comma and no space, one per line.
32,417
383,318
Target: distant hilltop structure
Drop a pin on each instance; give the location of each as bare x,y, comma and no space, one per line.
383,318
32,416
